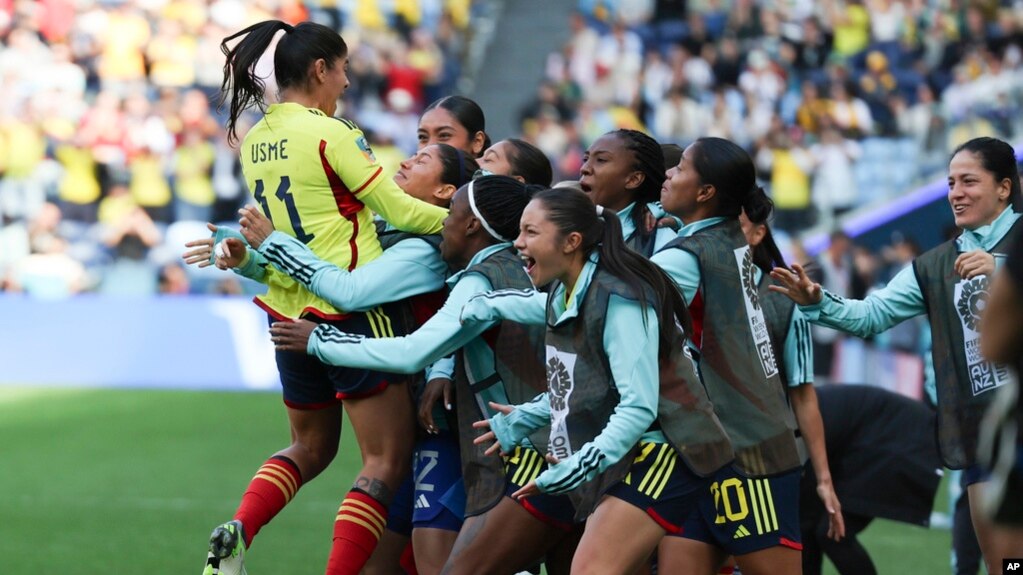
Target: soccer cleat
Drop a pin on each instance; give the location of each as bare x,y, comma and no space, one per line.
227,550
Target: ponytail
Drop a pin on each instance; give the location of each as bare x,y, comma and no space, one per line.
758,208
573,211
299,47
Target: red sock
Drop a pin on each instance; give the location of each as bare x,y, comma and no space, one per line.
408,560
274,485
360,522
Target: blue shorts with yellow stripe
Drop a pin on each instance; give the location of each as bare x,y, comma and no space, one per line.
525,464
662,485
311,384
742,515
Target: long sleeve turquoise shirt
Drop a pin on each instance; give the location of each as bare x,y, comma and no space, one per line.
902,298
439,337
630,341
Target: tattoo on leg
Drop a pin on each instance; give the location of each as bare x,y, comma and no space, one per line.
375,488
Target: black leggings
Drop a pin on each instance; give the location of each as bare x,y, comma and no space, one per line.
848,555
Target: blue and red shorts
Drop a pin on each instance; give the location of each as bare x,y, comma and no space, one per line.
741,515
310,384
662,485
525,464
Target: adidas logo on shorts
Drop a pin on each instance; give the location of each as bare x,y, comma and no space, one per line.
741,532
421,502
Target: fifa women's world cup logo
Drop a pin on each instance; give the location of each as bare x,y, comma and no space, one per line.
749,279
971,300
560,382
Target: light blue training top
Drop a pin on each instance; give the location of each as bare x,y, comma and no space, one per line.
410,267
630,342
901,299
439,337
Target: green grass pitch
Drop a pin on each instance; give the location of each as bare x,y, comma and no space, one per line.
112,481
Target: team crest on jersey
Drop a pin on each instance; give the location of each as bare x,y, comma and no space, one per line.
560,383
749,281
969,298
367,152
970,302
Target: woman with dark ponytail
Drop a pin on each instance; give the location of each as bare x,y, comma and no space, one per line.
314,176
751,508
623,171
497,361
949,284
633,439
457,121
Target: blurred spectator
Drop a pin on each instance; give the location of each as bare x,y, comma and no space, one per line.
834,185
790,167
107,114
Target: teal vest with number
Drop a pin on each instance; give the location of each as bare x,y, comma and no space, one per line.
963,378
737,360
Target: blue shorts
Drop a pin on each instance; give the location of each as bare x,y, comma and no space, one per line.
662,485
742,515
974,474
439,495
311,384
399,514
524,465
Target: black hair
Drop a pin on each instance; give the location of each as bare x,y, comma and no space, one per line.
672,155
500,201
573,211
530,163
726,166
649,159
300,46
469,115
997,157
766,254
458,167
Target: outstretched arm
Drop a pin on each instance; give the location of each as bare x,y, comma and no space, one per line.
437,338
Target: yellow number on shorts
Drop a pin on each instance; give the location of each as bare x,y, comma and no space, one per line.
721,495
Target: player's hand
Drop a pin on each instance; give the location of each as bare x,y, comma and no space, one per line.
436,390
976,263
230,253
202,252
668,222
255,226
527,490
292,335
490,436
796,285
836,523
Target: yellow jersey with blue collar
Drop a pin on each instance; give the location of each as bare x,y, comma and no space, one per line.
317,180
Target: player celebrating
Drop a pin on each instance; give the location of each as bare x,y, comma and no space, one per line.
949,284
314,175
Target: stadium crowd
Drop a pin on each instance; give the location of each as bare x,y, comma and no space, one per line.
111,146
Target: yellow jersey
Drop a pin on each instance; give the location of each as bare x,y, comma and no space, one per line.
315,176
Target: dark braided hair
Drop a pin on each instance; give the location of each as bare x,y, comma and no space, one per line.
573,211
458,167
500,201
649,159
529,162
300,46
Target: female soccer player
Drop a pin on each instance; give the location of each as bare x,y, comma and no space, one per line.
456,121
948,283
410,268
314,175
497,361
633,436
518,159
623,171
751,508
